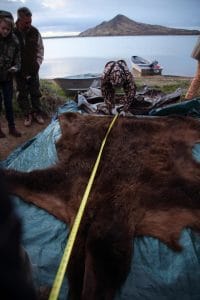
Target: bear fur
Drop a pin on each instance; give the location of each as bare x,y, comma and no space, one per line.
147,184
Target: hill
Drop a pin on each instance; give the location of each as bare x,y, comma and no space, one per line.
121,25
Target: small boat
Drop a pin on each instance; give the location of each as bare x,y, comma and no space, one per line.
79,82
145,67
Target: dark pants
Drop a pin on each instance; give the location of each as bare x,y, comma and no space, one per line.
6,96
28,93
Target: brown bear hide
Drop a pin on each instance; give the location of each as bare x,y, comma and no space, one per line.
147,183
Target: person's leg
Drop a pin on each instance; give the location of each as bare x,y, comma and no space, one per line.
195,85
2,134
1,99
23,98
35,98
7,88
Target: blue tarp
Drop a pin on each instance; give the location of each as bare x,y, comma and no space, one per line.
157,273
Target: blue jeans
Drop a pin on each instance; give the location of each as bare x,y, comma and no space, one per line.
6,96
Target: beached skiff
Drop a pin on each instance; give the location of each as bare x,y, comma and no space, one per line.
145,67
79,82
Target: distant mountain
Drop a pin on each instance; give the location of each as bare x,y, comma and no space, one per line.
121,25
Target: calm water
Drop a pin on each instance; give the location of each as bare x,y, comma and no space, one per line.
72,56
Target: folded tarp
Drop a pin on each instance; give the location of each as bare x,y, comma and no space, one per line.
185,108
157,273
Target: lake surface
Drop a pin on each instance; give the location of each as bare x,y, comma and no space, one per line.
72,56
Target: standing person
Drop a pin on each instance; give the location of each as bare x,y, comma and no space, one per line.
32,54
116,74
9,64
195,84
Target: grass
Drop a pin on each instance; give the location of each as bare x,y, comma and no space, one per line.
166,84
53,95
51,87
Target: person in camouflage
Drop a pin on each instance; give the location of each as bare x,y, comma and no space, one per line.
9,64
116,74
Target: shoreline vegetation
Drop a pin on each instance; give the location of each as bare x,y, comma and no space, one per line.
165,83
53,95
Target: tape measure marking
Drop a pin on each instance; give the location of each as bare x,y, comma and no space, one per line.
72,236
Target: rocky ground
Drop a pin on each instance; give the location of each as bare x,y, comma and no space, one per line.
8,144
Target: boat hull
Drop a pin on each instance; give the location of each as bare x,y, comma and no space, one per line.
143,67
78,83
147,71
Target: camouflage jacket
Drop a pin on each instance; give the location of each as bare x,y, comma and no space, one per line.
32,50
9,56
117,74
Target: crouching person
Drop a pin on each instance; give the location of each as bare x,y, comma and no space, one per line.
9,64
117,75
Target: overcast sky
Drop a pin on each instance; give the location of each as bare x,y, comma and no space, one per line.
74,16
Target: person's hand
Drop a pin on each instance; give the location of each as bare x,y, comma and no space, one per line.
28,79
109,107
12,70
122,113
35,67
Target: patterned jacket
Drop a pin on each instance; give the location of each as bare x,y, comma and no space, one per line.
116,74
32,50
9,56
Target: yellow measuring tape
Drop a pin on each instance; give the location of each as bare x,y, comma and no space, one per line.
68,249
